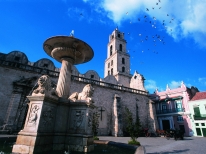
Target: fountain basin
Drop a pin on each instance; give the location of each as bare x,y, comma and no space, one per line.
59,47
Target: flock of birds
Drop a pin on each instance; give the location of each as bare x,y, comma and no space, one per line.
155,38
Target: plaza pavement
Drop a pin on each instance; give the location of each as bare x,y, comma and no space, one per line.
160,145
156,145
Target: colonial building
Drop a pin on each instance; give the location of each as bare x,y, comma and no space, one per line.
172,108
117,90
197,106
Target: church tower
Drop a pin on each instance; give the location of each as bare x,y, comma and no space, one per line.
118,60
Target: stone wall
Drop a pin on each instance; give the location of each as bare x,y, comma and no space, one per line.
104,97
17,80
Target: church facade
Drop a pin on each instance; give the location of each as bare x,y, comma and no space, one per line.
117,90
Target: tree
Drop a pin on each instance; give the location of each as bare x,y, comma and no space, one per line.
133,128
95,123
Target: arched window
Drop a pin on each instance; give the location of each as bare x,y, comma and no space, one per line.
111,62
110,50
120,47
108,65
123,69
123,61
112,71
118,35
108,72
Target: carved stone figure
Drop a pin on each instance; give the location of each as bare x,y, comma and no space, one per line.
33,116
86,94
44,87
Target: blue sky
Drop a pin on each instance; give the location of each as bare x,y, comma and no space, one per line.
165,39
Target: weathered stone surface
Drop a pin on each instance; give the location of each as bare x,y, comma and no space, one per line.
23,149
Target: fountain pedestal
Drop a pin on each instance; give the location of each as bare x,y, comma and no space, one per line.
37,135
80,135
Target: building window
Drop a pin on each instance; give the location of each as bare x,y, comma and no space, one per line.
112,36
203,124
120,47
196,124
110,50
123,61
92,76
180,118
198,132
112,63
123,69
118,35
108,65
135,77
112,71
196,111
108,72
17,58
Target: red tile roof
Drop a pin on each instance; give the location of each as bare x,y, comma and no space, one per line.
199,95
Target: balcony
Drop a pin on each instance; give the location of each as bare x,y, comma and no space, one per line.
200,117
166,111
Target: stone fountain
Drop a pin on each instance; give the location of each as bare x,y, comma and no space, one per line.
56,119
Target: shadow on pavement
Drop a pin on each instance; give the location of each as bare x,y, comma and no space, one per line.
170,152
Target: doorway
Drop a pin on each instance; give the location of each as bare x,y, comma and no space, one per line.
182,128
166,124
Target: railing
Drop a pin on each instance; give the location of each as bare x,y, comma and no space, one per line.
174,110
29,68
109,85
200,117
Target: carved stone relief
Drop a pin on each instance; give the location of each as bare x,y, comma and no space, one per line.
33,116
48,116
79,116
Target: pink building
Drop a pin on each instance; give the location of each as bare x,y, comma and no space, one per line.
172,108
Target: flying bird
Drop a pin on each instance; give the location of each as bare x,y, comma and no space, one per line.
81,14
167,14
156,3
147,9
126,13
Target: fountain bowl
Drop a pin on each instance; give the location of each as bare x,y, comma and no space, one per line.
59,47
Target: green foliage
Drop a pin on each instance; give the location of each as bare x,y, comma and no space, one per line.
95,138
133,128
95,123
134,142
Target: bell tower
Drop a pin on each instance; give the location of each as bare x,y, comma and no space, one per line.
118,60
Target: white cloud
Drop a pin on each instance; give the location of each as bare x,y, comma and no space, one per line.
189,15
174,84
151,85
202,80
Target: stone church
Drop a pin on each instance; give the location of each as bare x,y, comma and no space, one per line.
117,90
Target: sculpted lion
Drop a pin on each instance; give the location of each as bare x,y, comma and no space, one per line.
44,86
86,94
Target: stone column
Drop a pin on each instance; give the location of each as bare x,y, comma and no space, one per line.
64,81
117,117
